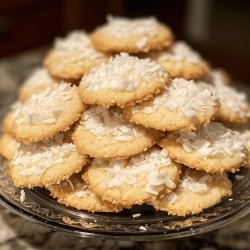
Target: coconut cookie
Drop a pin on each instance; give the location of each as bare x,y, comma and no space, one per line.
105,133
8,146
218,77
74,192
183,105
234,105
213,148
124,80
132,35
45,163
72,57
134,180
196,191
181,61
44,114
38,81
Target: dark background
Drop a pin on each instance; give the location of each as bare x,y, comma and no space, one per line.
219,29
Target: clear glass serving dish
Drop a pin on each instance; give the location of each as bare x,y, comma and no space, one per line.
39,207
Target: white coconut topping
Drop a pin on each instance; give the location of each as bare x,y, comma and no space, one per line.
44,107
196,185
38,157
152,166
76,47
39,77
171,197
125,28
22,196
218,77
123,72
232,100
192,99
180,51
212,141
103,122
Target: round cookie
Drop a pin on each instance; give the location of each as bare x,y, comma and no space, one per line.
234,105
38,81
131,35
134,180
44,114
72,57
104,133
8,146
213,148
124,80
183,105
196,191
74,192
46,163
218,77
181,61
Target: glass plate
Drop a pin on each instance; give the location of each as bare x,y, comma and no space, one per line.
39,207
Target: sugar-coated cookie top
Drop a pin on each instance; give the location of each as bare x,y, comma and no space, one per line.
38,77
232,100
196,182
101,121
44,107
214,140
39,156
153,166
123,72
121,27
183,95
180,51
76,45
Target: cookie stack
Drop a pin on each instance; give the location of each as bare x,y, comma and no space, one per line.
125,116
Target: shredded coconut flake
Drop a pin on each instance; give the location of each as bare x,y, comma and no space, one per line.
122,72
190,98
100,122
245,136
171,197
37,157
22,196
153,165
180,51
43,107
136,215
76,47
214,140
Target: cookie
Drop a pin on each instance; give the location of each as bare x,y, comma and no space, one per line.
44,114
134,180
8,146
105,134
38,81
181,61
196,191
218,77
75,193
183,105
124,80
213,148
234,107
45,163
131,35
72,57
